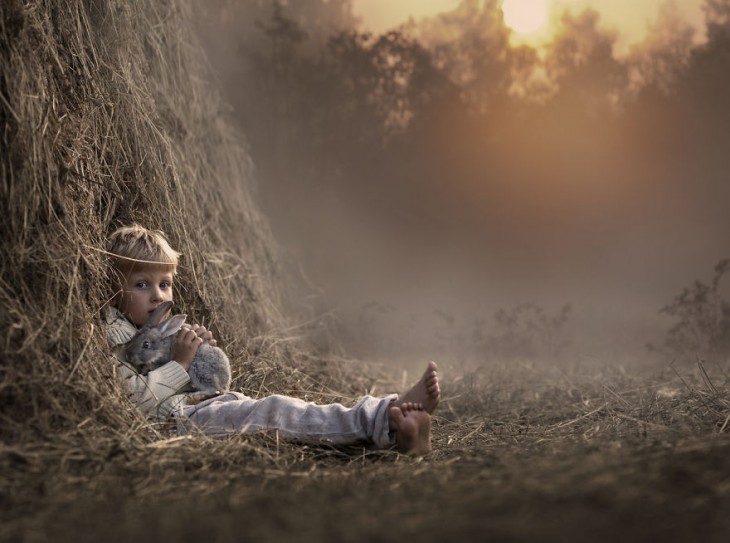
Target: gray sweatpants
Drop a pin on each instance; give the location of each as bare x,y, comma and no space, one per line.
292,418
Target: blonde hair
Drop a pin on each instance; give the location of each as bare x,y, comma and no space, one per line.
134,247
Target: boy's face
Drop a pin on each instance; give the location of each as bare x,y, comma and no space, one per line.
142,291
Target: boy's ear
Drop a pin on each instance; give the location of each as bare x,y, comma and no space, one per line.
172,325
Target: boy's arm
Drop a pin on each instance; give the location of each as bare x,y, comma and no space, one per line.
147,392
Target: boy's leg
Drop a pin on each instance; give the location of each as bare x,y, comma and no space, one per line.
294,419
372,419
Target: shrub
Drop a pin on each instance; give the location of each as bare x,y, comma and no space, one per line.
703,317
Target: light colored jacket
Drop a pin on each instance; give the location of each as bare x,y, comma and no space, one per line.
162,391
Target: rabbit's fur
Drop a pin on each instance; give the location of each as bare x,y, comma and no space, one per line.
154,345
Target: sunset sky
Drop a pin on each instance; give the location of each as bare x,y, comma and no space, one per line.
591,170
629,18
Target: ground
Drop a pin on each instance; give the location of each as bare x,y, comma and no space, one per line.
521,453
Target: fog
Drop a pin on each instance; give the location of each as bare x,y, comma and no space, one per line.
421,180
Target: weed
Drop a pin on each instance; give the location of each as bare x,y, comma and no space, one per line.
703,317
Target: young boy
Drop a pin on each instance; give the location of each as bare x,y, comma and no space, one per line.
144,266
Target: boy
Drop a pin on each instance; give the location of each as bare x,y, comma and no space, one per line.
144,266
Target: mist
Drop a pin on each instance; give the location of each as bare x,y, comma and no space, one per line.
423,179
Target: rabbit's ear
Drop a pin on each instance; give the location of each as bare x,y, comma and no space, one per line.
172,325
158,313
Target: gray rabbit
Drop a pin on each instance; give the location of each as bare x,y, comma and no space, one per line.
154,345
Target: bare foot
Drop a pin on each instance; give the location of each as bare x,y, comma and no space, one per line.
411,406
426,391
412,430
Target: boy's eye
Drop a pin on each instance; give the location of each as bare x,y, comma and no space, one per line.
141,284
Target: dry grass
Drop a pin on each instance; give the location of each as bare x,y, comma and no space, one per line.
106,119
521,453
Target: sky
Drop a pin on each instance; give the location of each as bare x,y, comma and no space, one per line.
630,18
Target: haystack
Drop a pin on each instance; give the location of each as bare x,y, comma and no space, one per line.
107,118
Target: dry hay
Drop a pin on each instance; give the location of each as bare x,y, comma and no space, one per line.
107,119
530,405
512,441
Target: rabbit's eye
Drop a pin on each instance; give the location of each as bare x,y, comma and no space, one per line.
146,344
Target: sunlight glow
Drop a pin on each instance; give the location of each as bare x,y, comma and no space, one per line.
526,16
630,19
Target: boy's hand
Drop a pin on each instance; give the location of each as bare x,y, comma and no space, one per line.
204,334
187,344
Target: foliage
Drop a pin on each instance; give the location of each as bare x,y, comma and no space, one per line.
703,317
527,331
524,331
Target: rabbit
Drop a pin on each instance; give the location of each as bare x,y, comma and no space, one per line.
154,345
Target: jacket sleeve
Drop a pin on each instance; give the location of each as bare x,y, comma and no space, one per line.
150,392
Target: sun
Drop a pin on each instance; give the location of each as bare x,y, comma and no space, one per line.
526,16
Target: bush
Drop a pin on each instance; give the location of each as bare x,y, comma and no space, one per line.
703,317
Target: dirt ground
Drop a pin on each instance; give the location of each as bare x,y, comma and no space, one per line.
520,454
